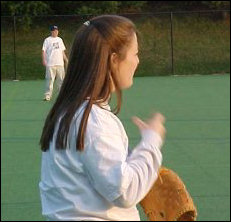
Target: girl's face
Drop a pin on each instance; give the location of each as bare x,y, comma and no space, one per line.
125,69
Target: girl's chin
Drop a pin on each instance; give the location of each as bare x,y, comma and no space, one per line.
128,85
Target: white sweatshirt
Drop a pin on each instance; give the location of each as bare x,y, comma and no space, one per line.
103,182
54,47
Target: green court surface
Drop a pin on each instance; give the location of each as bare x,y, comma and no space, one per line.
197,144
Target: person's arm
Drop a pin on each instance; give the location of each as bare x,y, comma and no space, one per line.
153,134
65,57
143,165
123,180
64,54
44,48
44,58
120,180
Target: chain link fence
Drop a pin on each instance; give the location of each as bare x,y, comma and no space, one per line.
179,43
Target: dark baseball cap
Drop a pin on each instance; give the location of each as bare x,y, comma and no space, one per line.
54,27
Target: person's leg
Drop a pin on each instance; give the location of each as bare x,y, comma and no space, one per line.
60,76
50,77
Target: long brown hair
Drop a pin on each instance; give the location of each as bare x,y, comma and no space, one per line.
88,76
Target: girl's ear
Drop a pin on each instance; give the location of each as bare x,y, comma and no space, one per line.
114,59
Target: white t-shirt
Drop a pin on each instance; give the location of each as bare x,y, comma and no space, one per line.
54,47
102,182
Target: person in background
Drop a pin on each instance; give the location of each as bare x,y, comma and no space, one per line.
87,171
53,58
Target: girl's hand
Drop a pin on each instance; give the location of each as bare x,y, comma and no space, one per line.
155,123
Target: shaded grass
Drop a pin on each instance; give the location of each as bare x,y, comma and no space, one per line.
200,46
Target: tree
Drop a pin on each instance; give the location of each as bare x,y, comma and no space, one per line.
132,6
98,7
26,9
217,4
95,7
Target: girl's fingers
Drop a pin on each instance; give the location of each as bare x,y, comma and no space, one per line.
160,117
139,123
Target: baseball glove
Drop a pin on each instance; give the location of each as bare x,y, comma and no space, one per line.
168,199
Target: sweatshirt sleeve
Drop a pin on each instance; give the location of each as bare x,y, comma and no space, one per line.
143,164
121,179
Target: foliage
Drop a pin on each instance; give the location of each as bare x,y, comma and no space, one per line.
158,6
217,4
26,8
99,7
132,6
31,8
